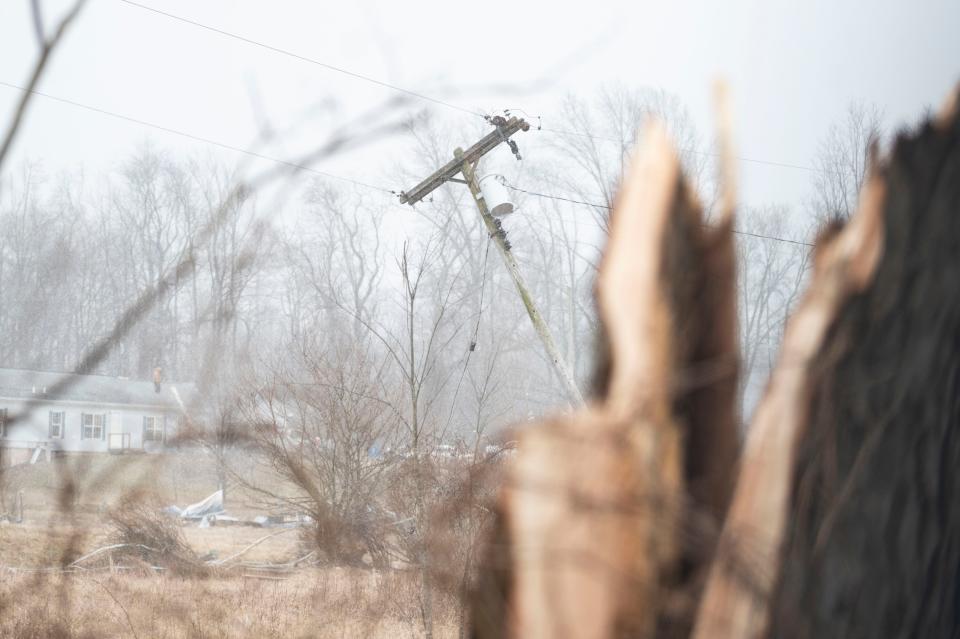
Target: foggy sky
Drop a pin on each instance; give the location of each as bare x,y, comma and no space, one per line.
792,68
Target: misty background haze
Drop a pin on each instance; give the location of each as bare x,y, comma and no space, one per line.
586,75
202,202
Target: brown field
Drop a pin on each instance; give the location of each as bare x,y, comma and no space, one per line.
101,481
313,603
38,599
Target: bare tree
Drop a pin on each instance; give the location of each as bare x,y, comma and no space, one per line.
769,283
597,138
337,254
842,161
418,361
146,204
327,428
562,262
467,530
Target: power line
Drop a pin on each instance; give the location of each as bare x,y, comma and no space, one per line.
556,197
303,58
742,158
308,169
416,94
604,206
476,331
422,96
191,136
774,238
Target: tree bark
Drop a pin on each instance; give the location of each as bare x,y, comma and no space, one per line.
873,546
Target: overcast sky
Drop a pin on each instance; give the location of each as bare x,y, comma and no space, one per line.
792,67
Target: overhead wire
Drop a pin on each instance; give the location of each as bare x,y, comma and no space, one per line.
419,95
606,207
191,136
476,332
303,58
785,165
308,169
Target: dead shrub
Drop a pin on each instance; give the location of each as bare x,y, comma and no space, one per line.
149,535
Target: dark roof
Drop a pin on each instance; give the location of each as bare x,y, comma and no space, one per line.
26,384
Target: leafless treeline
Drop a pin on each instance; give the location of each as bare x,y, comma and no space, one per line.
73,260
367,355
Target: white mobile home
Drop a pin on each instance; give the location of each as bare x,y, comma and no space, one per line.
43,411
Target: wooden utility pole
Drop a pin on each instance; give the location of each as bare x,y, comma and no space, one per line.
540,326
465,163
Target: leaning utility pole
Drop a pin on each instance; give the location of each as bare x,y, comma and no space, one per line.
465,162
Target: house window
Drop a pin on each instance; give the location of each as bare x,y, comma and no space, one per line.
94,426
152,429
57,420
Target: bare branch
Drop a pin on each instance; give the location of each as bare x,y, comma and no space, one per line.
46,52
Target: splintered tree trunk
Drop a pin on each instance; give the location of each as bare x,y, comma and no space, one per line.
873,545
840,516
606,516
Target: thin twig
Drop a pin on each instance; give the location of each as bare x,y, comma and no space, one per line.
47,48
133,630
256,543
106,548
38,23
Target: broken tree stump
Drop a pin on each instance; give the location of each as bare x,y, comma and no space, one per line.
873,542
844,519
606,516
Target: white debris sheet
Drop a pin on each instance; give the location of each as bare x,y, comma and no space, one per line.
212,505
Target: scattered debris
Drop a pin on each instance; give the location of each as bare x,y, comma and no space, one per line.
212,505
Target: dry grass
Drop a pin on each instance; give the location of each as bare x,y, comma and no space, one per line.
317,603
223,541
99,481
32,544
43,543
95,602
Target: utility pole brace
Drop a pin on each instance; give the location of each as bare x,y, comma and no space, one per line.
504,129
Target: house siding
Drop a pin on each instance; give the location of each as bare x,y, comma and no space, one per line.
33,429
